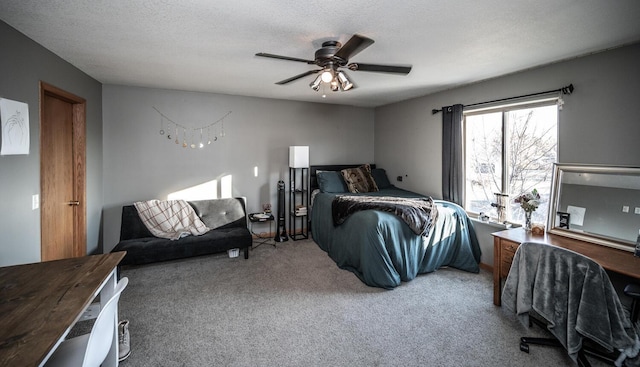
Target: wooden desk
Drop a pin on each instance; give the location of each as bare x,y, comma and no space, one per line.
506,242
40,303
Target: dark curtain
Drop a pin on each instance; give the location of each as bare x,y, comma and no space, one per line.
452,160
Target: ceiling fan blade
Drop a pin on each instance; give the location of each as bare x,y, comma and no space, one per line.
353,46
262,54
397,69
298,76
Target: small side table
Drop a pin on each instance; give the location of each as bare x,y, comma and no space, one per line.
262,237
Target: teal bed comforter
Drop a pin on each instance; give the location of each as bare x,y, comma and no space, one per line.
383,251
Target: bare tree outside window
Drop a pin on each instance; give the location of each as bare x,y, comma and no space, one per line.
522,143
483,160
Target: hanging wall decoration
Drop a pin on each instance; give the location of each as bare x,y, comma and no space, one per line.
14,123
193,137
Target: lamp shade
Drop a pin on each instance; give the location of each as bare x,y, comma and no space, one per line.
298,157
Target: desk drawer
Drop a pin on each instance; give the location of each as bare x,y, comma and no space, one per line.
508,252
509,246
505,265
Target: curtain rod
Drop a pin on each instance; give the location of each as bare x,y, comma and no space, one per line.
565,90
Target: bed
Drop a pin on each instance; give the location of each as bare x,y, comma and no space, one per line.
379,247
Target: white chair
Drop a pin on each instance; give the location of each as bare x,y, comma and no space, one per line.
90,350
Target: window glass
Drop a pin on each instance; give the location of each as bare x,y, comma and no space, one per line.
483,163
510,151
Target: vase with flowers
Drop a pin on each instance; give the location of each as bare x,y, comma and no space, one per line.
529,202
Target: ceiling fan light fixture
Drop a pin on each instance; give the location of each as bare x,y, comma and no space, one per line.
345,83
315,84
334,85
327,76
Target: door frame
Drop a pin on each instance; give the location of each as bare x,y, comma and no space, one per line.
79,246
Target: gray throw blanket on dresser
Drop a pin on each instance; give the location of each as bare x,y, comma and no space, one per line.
419,213
573,294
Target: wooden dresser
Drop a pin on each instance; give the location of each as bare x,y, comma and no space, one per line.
505,244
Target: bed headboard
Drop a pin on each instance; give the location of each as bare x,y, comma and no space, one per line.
313,179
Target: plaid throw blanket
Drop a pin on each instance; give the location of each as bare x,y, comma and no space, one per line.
172,219
419,213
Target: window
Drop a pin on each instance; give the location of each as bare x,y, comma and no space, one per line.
510,150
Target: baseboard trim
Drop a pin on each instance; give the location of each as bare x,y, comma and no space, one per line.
263,235
486,267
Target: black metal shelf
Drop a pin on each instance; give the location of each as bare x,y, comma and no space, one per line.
298,197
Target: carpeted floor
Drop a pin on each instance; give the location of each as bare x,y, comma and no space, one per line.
292,306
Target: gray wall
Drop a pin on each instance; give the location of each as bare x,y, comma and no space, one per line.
598,124
140,164
23,65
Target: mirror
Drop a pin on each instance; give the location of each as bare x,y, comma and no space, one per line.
598,204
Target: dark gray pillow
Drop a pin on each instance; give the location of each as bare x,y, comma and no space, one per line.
380,177
331,181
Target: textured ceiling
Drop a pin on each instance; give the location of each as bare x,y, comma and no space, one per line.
209,46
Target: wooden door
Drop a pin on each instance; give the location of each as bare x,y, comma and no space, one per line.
62,174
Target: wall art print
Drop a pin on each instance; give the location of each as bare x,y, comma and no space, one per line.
14,117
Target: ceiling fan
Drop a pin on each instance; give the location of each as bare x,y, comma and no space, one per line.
333,58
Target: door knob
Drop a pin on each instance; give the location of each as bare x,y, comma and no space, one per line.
74,202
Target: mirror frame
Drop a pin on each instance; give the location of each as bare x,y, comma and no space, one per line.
558,168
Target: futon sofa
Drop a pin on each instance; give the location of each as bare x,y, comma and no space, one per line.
227,219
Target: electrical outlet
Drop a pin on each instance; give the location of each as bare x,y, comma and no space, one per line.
637,211
625,209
